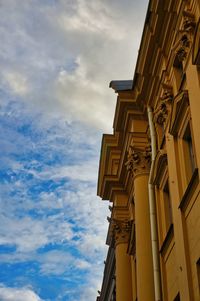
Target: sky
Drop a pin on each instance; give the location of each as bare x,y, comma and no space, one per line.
57,58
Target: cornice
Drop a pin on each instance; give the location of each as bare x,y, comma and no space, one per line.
126,107
125,110
110,145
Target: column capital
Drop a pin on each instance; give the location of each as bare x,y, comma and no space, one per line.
121,230
139,159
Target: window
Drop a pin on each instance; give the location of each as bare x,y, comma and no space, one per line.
198,272
188,152
113,298
163,197
178,72
177,298
181,129
167,206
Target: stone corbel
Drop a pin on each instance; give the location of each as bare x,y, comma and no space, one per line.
185,36
188,22
138,160
164,105
183,48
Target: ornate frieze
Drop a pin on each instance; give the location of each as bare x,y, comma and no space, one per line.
138,160
164,106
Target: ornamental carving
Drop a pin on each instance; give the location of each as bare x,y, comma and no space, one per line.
185,36
188,22
138,160
164,106
184,45
121,230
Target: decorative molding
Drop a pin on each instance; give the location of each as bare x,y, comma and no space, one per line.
164,105
196,46
138,160
180,105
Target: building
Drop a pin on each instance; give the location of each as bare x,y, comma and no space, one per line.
149,166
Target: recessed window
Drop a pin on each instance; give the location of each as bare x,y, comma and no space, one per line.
188,152
167,205
177,298
178,72
113,298
198,272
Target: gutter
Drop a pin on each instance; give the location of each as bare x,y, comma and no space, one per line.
152,207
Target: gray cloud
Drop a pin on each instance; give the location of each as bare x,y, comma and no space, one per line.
61,55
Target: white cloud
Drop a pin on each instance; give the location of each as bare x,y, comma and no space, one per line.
85,171
91,17
18,294
29,234
16,82
55,262
82,264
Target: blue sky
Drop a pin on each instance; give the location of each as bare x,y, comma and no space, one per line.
56,60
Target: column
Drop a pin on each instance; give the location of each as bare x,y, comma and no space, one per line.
139,165
123,262
144,264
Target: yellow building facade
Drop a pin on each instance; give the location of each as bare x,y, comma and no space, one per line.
149,166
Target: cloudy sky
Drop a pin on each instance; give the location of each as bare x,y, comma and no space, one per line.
57,58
